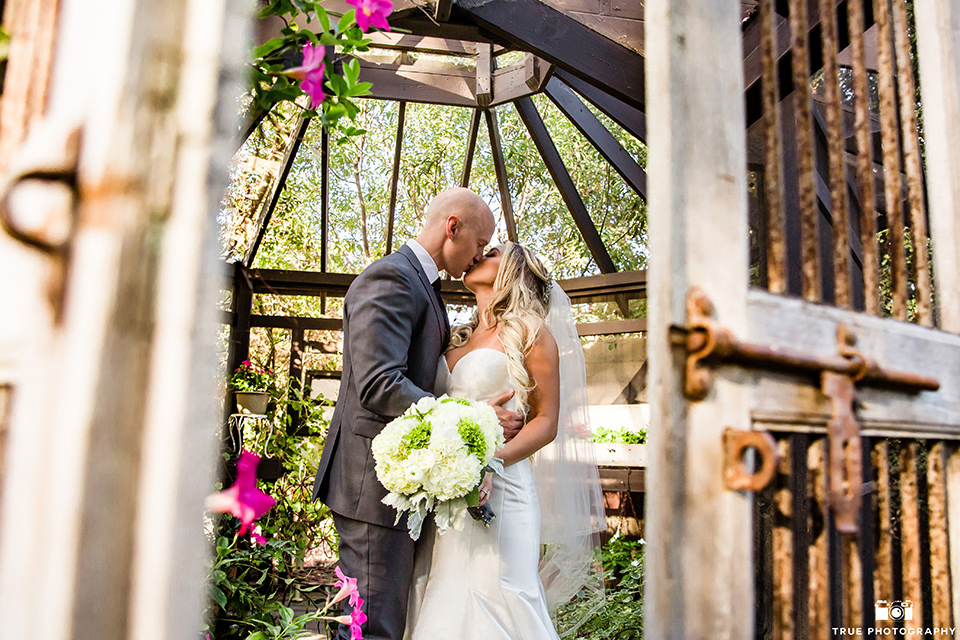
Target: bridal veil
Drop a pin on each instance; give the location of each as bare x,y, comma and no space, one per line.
568,486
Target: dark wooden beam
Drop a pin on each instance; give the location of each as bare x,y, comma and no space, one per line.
633,120
597,288
471,148
421,44
598,135
521,79
301,324
423,25
395,176
561,177
266,212
324,197
251,120
531,25
500,166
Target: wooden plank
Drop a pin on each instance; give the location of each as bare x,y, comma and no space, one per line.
431,83
938,47
293,145
633,120
324,197
811,328
703,574
939,540
883,571
910,536
518,80
561,177
500,167
953,525
783,581
484,89
598,135
819,564
530,25
441,12
866,535
612,327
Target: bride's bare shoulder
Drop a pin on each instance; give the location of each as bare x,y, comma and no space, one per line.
544,349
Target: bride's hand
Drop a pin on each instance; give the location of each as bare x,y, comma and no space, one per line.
511,421
485,488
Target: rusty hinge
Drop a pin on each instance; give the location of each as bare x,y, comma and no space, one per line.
708,343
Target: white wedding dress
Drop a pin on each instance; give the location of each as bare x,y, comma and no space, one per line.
482,583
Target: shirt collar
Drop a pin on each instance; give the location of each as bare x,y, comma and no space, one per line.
426,261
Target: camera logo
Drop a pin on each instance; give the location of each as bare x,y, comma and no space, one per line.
896,610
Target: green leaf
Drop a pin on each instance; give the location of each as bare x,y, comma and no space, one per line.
258,635
219,597
323,18
268,47
337,83
351,70
269,10
347,20
327,39
361,89
473,498
310,35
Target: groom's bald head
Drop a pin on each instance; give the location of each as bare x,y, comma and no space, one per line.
456,228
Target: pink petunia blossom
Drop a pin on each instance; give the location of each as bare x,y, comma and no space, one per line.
348,588
372,12
243,499
310,73
355,620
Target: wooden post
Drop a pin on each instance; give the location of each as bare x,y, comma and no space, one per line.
938,46
699,555
113,444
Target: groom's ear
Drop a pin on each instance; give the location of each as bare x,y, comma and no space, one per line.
452,227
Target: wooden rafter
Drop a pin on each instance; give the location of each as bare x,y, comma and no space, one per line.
395,176
471,148
633,120
561,177
500,165
598,135
531,25
266,212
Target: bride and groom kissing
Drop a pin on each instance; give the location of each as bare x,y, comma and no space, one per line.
520,353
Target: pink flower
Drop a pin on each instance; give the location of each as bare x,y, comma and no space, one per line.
355,619
372,12
348,587
243,499
310,73
257,536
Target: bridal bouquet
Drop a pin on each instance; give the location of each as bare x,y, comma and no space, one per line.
433,457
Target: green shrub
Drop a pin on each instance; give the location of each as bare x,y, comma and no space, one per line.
620,436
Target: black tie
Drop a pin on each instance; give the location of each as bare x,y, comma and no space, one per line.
436,286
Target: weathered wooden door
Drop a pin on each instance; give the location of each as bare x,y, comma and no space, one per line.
112,441
850,420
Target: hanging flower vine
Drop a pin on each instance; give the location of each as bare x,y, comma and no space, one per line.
316,63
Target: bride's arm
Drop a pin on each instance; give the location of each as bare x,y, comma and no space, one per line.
543,365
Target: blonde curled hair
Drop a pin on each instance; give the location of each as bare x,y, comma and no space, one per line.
521,299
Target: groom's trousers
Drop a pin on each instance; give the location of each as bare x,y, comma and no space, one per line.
381,559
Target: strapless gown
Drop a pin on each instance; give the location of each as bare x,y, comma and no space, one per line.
482,583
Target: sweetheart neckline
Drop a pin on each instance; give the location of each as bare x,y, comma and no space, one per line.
465,356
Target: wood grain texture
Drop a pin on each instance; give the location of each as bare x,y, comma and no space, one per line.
939,537
819,558
910,533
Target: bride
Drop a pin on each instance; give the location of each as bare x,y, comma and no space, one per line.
507,579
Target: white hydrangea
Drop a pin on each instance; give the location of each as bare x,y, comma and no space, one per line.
438,476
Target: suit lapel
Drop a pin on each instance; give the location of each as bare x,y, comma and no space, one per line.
441,314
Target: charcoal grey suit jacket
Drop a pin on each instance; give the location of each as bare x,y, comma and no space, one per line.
394,331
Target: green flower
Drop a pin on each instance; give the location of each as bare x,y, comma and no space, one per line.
472,437
417,438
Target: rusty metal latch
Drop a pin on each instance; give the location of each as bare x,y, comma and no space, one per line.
709,344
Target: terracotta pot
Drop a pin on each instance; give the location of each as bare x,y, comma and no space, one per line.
252,402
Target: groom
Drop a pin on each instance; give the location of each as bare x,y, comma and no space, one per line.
395,328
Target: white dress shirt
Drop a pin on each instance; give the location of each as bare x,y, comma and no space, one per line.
426,261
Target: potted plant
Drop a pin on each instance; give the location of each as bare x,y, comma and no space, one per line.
252,387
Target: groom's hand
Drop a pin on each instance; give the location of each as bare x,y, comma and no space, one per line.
510,421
